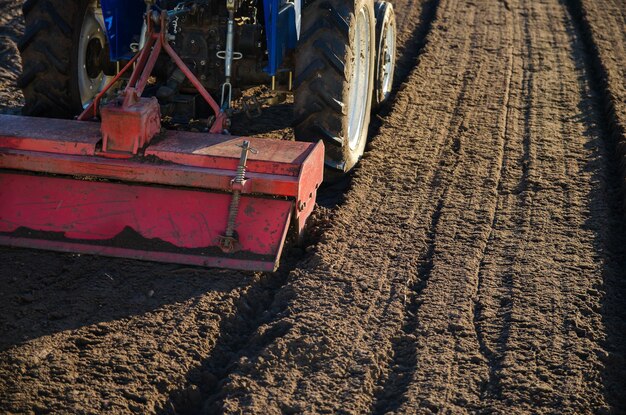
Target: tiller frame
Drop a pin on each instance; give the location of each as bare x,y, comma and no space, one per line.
123,188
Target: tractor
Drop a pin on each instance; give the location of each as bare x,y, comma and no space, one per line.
124,149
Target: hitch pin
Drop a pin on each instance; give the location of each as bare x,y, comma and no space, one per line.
228,242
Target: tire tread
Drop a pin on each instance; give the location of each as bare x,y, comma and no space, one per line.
46,47
322,80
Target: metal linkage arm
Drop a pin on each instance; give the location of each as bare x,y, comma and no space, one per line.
145,61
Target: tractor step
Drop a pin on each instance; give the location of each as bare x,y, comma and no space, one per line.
172,203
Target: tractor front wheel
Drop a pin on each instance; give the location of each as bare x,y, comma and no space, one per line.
335,67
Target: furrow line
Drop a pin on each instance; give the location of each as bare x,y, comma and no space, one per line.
493,385
252,309
404,362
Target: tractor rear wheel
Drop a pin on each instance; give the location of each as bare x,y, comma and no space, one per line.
64,56
334,79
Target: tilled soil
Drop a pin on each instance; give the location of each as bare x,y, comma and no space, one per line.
476,264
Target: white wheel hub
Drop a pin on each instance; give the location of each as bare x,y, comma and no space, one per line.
92,42
360,78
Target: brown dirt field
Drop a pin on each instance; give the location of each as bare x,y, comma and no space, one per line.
475,264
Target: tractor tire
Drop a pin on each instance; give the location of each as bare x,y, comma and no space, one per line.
385,52
334,79
51,58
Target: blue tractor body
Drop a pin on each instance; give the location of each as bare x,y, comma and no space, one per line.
124,18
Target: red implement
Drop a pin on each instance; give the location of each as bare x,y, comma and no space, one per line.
60,190
121,189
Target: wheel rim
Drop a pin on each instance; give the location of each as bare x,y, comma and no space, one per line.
91,46
389,60
360,78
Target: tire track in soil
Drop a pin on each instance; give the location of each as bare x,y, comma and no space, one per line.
498,77
391,393
583,323
492,386
403,365
492,355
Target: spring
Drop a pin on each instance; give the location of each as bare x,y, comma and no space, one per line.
241,174
232,216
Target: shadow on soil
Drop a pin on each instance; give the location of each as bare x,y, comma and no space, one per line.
273,118
241,337
606,203
42,293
